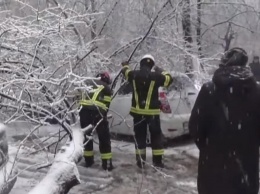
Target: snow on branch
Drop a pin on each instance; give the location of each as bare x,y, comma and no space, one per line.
63,174
42,61
7,170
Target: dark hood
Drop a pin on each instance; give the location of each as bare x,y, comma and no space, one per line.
235,79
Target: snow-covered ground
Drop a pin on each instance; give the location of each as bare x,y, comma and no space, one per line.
178,177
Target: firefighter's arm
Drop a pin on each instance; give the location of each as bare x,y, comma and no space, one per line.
126,71
199,120
164,78
107,96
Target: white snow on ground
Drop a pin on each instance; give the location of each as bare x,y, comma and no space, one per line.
126,147
178,177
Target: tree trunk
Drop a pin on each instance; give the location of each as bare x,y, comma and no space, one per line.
8,177
199,27
94,23
186,25
63,174
228,37
7,171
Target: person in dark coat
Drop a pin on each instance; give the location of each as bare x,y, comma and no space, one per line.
225,125
255,66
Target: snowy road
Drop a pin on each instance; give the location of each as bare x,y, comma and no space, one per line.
179,177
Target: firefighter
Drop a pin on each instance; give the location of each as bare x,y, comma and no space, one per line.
94,106
145,108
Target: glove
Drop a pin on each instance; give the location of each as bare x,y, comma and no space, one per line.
124,63
157,69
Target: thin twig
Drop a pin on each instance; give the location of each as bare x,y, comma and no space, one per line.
104,25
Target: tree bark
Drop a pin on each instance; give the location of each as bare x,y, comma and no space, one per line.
63,174
7,171
94,25
7,177
228,37
199,27
187,36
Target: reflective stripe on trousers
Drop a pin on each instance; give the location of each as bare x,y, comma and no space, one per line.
88,153
140,151
106,156
158,152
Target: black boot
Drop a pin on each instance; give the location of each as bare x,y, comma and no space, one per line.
107,164
157,161
140,160
89,161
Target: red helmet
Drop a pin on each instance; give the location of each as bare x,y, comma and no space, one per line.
105,77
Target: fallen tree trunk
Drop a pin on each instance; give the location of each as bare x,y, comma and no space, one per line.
7,177
7,171
63,174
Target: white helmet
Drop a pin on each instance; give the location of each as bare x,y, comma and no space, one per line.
148,56
147,62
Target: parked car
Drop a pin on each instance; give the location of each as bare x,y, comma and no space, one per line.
177,102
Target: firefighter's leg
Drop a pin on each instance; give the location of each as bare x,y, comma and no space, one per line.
86,118
140,129
156,140
105,145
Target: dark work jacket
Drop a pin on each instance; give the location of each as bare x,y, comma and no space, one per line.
145,84
225,124
98,98
256,70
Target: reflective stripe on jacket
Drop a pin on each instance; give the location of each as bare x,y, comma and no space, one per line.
100,96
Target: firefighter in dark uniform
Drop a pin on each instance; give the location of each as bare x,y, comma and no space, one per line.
94,106
146,107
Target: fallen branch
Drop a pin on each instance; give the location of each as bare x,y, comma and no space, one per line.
105,23
36,107
88,53
21,51
7,172
63,174
7,177
148,31
138,44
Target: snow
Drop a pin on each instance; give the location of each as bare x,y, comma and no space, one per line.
187,183
178,177
239,126
231,90
64,169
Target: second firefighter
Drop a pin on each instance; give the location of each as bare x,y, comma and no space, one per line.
94,106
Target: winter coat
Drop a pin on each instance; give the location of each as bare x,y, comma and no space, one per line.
145,84
225,124
256,70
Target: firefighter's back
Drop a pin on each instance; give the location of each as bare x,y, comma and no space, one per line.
146,84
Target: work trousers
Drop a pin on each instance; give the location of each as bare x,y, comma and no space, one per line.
141,122
93,117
